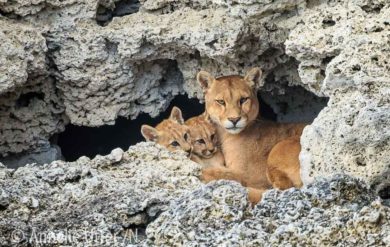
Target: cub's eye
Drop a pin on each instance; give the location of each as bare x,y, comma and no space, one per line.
212,136
175,144
201,141
186,136
220,101
243,100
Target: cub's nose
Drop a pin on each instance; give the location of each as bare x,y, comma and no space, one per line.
234,120
189,152
212,150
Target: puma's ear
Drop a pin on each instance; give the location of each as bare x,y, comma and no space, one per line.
253,76
176,115
149,133
205,79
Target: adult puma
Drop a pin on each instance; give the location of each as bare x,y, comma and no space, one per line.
261,154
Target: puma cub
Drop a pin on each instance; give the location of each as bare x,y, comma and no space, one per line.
205,150
259,153
170,133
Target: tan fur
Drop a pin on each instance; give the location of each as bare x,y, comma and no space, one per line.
170,133
249,143
283,164
205,150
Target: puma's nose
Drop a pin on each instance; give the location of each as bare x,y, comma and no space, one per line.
234,120
212,150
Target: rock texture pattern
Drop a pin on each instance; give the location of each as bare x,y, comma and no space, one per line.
340,211
30,115
23,54
122,58
110,200
91,200
343,52
90,62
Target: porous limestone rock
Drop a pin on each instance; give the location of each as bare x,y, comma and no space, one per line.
338,211
351,135
121,58
96,200
110,200
22,54
343,52
341,46
30,115
107,59
31,110
138,62
45,154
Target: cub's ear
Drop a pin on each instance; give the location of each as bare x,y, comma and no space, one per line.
176,115
253,77
206,117
205,79
149,133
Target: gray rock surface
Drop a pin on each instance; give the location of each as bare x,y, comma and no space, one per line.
340,211
342,46
110,200
30,115
107,196
120,58
343,52
138,62
42,155
22,54
98,60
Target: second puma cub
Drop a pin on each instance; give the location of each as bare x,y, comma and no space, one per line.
204,142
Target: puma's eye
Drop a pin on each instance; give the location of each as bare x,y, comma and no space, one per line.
243,100
186,136
220,101
175,144
201,141
212,136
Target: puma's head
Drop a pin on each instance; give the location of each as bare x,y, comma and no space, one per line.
170,133
231,101
203,136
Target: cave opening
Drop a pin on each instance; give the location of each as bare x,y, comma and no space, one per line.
104,14
24,100
77,141
385,194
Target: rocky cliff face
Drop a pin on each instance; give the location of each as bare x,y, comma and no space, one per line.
108,195
107,64
90,62
343,51
148,196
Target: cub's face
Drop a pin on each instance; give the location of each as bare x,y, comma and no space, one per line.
174,136
203,136
170,133
231,101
